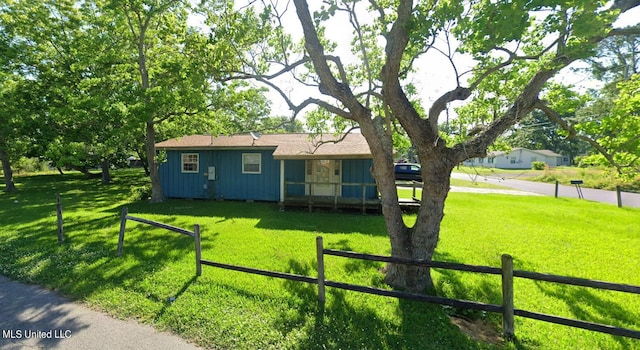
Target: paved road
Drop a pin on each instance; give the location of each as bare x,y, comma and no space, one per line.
34,318
628,199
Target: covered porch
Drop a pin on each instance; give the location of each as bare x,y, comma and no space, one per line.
323,195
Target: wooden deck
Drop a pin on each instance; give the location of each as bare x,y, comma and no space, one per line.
329,202
333,203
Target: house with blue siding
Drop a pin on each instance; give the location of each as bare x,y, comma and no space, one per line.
275,167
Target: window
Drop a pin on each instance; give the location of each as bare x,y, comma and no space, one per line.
251,163
190,163
490,160
480,160
513,160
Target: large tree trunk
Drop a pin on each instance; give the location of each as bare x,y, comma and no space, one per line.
106,175
8,173
156,188
419,242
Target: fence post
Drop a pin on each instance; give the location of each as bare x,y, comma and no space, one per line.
123,224
320,254
196,236
59,213
507,297
556,193
619,196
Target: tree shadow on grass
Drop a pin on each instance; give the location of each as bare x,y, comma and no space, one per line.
86,263
268,216
591,306
348,321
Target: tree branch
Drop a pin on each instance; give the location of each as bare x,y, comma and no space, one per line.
457,94
556,118
329,85
625,5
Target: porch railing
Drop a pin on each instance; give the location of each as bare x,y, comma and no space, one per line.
335,196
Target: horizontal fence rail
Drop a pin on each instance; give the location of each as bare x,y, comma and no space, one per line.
574,281
161,225
507,308
123,224
396,260
282,275
596,327
432,299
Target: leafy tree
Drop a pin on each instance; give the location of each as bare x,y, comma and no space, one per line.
175,73
14,100
613,125
516,47
616,60
114,74
607,120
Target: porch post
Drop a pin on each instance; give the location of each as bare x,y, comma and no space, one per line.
281,180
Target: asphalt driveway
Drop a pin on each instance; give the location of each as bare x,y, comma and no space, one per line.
36,318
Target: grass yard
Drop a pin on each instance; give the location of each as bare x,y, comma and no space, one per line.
154,281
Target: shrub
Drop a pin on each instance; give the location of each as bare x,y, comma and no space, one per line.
139,193
29,165
538,165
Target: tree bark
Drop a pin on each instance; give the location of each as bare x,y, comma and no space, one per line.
8,172
86,172
157,195
106,175
150,141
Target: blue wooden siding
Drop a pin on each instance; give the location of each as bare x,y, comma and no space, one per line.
177,184
358,171
231,183
294,172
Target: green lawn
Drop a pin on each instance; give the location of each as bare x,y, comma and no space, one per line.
226,309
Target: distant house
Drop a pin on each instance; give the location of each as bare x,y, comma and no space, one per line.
274,167
518,158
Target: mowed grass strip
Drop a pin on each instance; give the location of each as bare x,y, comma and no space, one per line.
154,279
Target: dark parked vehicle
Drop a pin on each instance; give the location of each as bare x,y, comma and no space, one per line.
408,171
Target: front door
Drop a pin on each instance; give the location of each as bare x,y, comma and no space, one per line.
324,176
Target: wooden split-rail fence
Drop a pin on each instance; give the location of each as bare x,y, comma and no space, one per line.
507,308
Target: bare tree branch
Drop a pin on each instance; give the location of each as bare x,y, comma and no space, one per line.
319,143
634,30
625,5
329,85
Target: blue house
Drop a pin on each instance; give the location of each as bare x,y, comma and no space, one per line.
286,168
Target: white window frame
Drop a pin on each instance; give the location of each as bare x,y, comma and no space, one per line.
251,157
196,162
